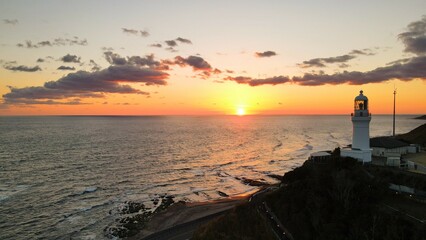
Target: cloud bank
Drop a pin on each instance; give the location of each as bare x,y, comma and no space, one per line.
415,68
84,84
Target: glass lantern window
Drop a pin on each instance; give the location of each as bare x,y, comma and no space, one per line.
360,105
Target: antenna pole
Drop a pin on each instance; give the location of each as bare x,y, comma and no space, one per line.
394,96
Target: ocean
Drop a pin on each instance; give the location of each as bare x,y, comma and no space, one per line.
66,177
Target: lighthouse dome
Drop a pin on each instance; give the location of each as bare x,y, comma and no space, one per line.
361,97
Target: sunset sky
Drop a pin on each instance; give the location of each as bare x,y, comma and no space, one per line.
211,57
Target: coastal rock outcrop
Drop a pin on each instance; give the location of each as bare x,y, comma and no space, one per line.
133,216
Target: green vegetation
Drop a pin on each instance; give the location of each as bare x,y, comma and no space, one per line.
338,200
396,176
243,222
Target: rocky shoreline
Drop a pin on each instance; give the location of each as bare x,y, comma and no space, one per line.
137,219
133,216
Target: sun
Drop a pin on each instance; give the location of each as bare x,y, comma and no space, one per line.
241,112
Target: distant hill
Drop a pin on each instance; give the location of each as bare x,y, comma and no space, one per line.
417,135
421,117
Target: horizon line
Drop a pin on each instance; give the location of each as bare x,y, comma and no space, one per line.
192,115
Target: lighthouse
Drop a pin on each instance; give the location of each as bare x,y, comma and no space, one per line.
361,118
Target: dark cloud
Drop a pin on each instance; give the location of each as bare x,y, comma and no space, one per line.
32,93
399,61
365,51
70,59
321,62
171,49
54,42
135,32
107,79
130,31
415,38
197,63
40,60
22,68
171,43
183,40
76,101
144,33
66,68
10,21
114,58
95,66
158,45
341,60
107,49
146,61
84,84
265,54
258,82
174,43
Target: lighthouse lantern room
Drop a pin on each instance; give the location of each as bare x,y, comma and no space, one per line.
361,118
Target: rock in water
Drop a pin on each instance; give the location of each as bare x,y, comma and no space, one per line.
222,194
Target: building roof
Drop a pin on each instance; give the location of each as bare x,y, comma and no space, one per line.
387,142
361,96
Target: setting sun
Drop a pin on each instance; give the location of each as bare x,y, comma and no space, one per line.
241,112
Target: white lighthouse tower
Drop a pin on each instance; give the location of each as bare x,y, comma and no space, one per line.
361,118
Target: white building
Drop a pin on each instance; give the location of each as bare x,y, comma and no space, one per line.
391,149
361,118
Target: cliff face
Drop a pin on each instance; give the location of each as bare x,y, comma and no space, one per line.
417,135
338,200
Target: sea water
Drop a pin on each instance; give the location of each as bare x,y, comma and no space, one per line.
64,177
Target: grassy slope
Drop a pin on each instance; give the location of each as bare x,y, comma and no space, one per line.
417,135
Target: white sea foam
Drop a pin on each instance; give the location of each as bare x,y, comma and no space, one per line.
90,189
